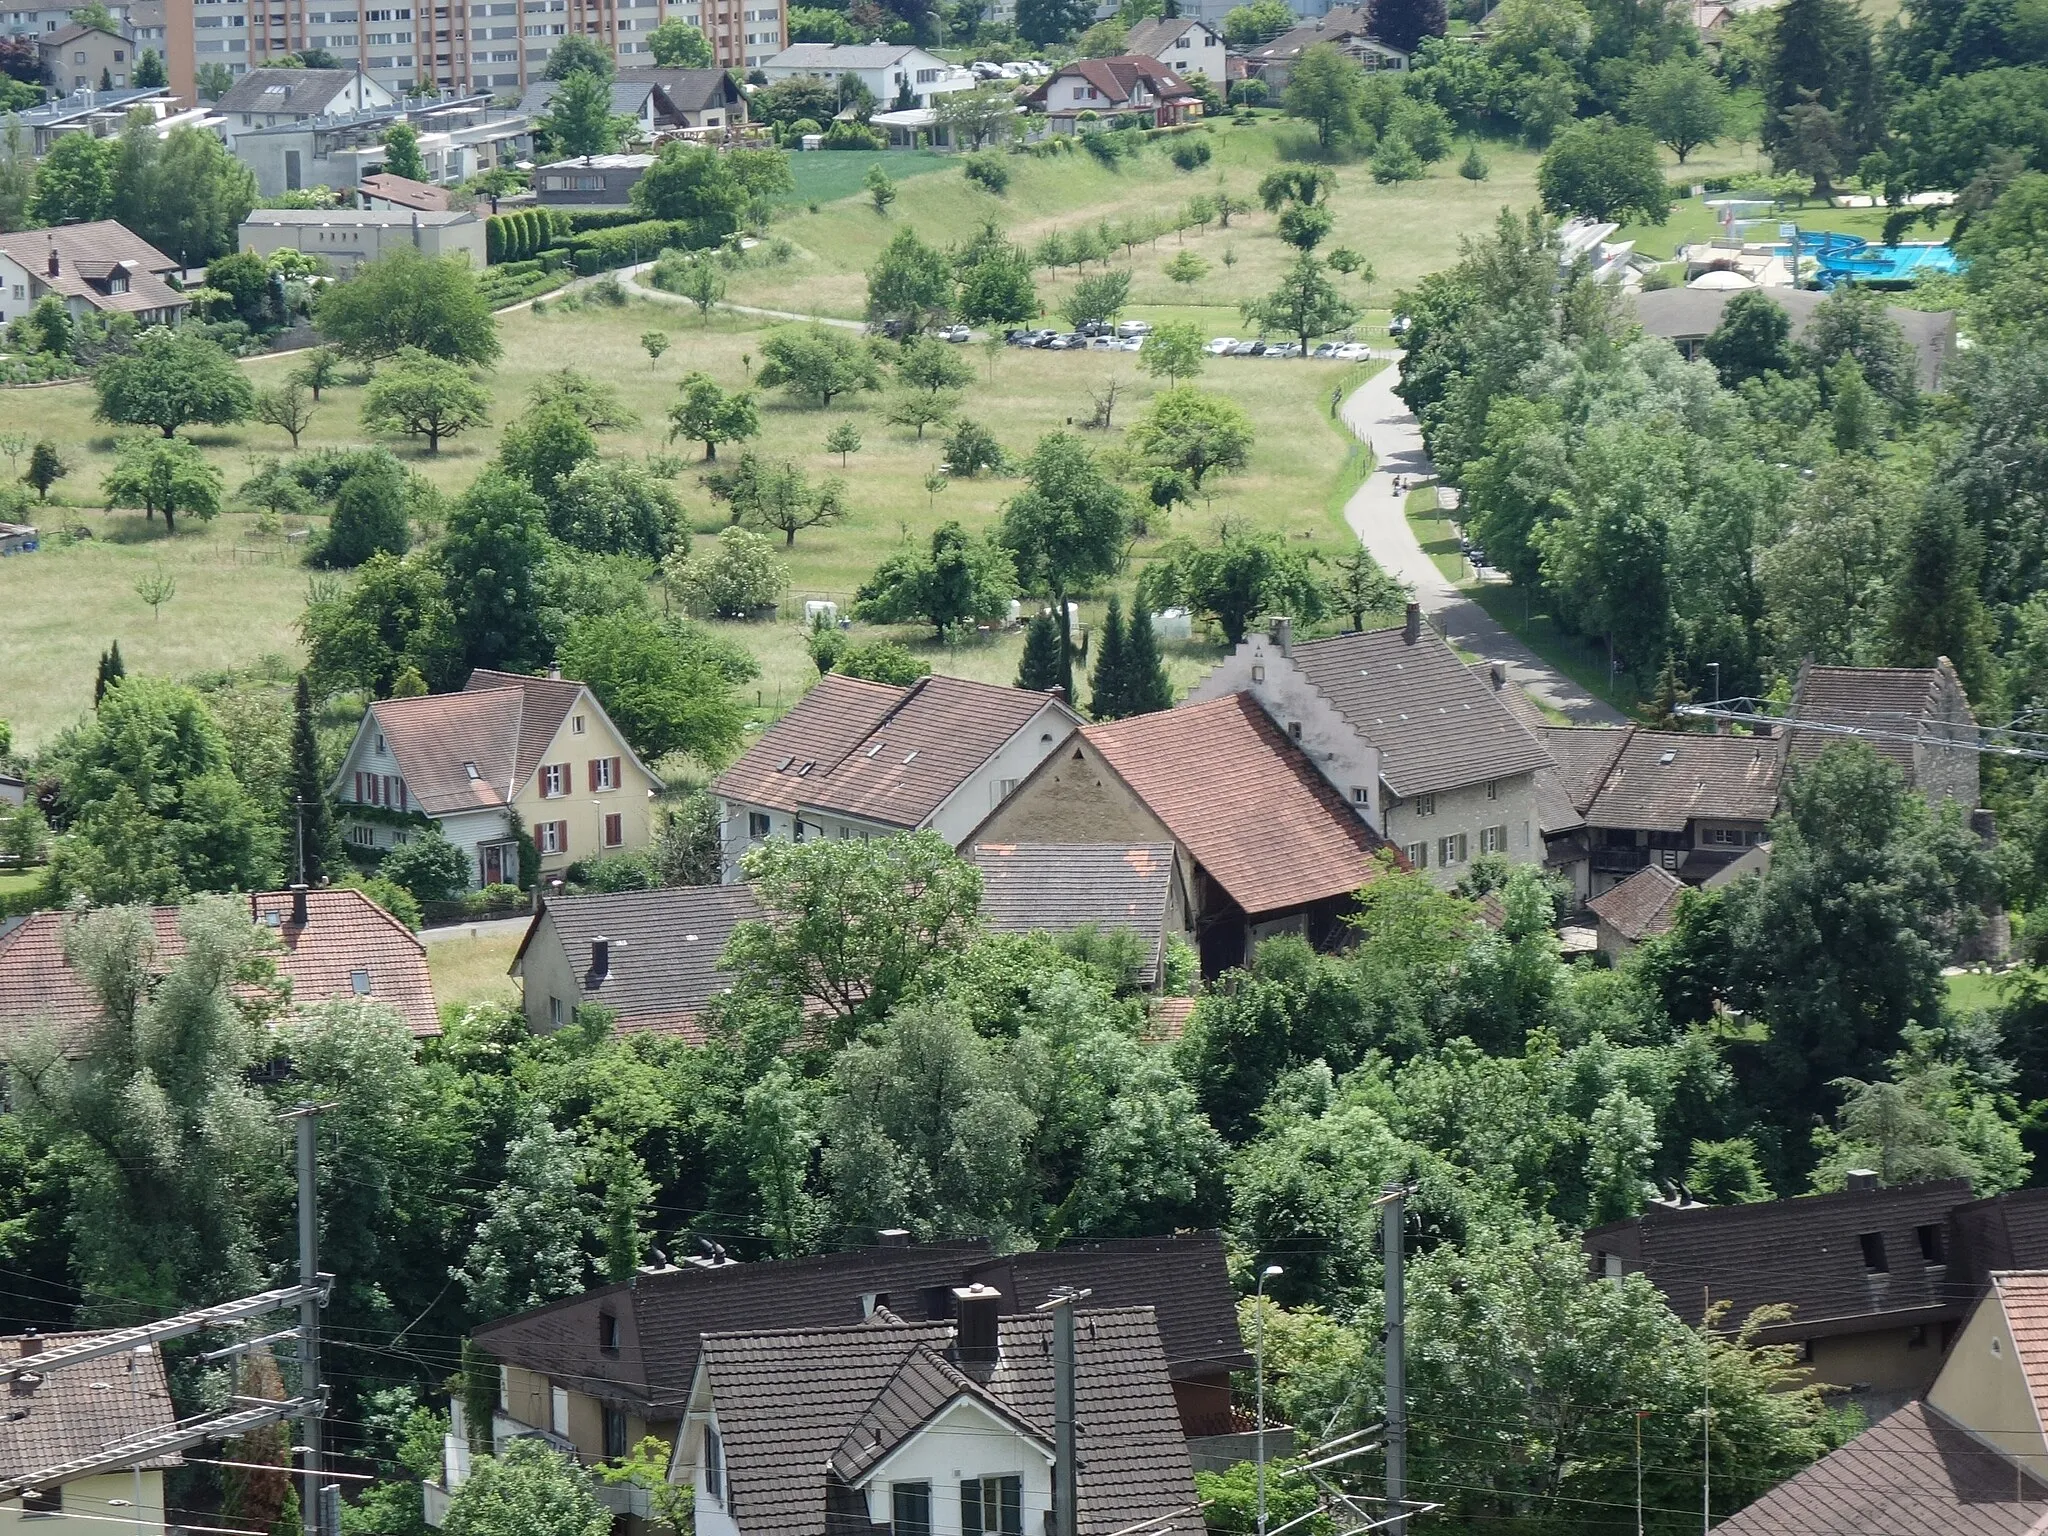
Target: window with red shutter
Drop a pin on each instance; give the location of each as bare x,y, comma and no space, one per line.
561,837
359,786
616,777
592,767
614,831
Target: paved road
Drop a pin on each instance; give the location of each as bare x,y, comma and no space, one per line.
488,928
1378,516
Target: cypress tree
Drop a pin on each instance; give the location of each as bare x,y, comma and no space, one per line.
1109,688
1935,607
309,793
112,670
1146,690
1040,670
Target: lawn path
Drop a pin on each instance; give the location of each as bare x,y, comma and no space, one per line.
1376,514
629,278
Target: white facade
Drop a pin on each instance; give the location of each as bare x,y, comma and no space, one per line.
347,237
743,826
1198,50
1444,832
923,74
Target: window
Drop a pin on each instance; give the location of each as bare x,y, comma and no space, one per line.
1450,850
1493,789
469,771
614,1432
615,831
555,1012
359,983
552,836
1933,1243
608,1332
910,1509
558,1410
757,825
992,1506
576,725
363,837
1360,795
554,780
380,744
1873,1253
1493,839
1417,855
1294,729
714,1464
1002,789
1425,805
604,773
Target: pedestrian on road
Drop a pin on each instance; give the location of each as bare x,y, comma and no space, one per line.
1336,398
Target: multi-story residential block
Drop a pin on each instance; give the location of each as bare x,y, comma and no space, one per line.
458,139
45,20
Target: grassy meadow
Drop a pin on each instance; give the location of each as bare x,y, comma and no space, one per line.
239,592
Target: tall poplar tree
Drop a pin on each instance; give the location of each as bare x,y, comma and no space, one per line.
309,823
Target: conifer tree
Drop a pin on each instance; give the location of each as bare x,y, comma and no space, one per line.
1041,669
309,824
1146,689
112,670
1935,606
1109,687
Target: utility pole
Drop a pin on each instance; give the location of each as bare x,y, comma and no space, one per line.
1066,1493
1706,1416
1271,1271
1393,1203
306,1119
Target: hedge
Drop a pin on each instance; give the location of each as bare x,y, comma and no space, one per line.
582,220
522,233
600,250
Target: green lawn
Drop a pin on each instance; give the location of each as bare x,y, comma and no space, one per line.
1972,990
1579,659
473,970
1437,535
824,176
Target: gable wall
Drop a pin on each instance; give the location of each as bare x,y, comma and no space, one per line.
583,808
1986,1392
964,1442
983,790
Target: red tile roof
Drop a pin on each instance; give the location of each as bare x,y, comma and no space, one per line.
820,729
79,1410
2024,1296
348,933
1243,800
1117,77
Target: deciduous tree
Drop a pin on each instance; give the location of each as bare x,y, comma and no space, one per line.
420,395
170,380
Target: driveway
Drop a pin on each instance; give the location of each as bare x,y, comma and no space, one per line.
1378,516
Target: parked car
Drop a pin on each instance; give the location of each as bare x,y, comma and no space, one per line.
955,333
1284,349
1095,328
1072,341
1400,326
1140,328
1352,352
1248,349
983,70
1222,346
1325,349
1129,344
1102,344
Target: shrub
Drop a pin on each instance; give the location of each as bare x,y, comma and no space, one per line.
429,868
987,170
1248,93
616,872
737,578
1191,154
881,661
845,134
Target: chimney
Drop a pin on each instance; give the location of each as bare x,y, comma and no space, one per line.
554,672
1411,627
600,960
974,1336
1498,675
56,263
1861,1181
299,915
893,1237
1280,629
1056,691
31,1344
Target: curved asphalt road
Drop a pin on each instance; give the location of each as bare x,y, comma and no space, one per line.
1379,517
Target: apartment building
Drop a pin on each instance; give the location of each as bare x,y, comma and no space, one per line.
482,45
43,20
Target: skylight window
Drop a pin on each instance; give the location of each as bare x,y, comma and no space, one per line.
359,983
469,770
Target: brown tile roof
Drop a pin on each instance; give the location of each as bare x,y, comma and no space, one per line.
1584,755
1663,779
925,1383
1642,905
1805,1253
347,933
72,33
786,1402
1243,800
828,722
923,749
544,703
1899,700
688,90
1058,887
1334,25
665,945
1117,77
404,192
1915,1473
2024,1296
1168,1020
663,1317
86,256
2008,1231
1436,723
1155,33
79,1409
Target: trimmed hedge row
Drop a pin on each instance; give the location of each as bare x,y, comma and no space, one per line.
522,233
501,286
583,220
600,250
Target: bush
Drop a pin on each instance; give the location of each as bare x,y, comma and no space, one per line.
987,170
394,899
881,661
429,868
616,872
850,135
493,901
1248,93
737,578
620,245
1190,154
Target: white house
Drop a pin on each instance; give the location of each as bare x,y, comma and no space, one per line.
861,759
540,751
1419,744
942,1428
1184,45
890,72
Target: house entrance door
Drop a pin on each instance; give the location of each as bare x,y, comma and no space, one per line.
493,862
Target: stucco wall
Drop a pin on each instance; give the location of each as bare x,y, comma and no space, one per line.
583,807
89,1509
1469,810
1985,1391
963,1442
1885,1359
1074,798
1011,764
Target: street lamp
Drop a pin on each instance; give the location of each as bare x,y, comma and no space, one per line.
1270,1272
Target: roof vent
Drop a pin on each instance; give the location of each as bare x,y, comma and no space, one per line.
893,1237
1861,1181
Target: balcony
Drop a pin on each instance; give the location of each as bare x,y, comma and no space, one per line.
1620,861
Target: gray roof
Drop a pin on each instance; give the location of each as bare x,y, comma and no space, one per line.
1156,32
83,103
1057,888
665,944
1693,314
629,96
1436,724
310,91
1660,780
786,1403
1900,701
690,90
837,58
76,1411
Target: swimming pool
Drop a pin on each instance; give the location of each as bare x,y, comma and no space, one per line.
1852,258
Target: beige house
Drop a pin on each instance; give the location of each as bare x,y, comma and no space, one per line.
506,754
68,1415
348,237
98,266
80,58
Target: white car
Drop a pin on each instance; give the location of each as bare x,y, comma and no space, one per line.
1352,352
955,333
1130,343
1134,328
1221,346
